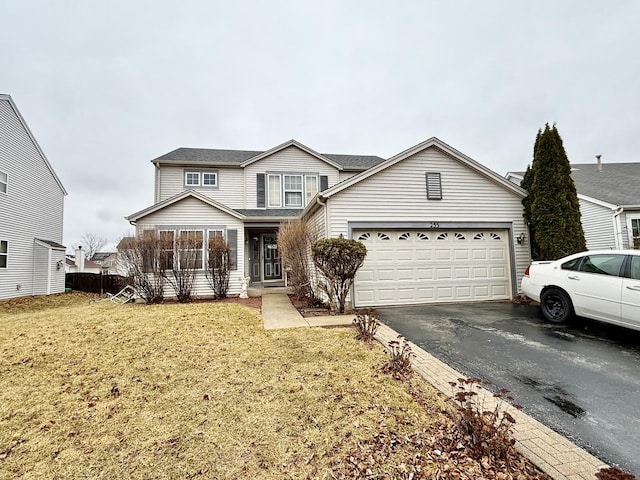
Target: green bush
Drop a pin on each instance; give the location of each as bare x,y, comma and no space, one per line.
338,259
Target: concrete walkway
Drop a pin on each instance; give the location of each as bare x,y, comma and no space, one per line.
551,452
278,312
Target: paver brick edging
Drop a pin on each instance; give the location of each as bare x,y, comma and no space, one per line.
552,453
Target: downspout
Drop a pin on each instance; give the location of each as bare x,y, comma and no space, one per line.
617,230
326,213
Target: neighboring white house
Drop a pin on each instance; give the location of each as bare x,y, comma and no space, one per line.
609,196
438,226
77,263
32,257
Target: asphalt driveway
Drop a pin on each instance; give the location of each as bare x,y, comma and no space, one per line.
580,379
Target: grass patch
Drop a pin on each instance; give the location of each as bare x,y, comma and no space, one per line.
97,390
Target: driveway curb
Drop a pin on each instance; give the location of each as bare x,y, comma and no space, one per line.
551,452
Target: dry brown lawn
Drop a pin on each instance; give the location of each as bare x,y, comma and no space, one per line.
90,389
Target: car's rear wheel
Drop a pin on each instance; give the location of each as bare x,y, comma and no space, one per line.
556,305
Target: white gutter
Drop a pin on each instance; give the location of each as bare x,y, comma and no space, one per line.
617,228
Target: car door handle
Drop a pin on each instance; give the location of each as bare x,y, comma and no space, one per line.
634,287
573,277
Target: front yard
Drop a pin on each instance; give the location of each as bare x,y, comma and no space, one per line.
90,389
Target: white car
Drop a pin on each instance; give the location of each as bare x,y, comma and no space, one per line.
599,284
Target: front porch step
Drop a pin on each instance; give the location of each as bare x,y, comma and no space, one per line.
259,291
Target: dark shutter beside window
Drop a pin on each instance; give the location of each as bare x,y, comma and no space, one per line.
232,240
324,183
261,190
434,186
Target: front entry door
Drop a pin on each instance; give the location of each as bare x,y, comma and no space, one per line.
271,257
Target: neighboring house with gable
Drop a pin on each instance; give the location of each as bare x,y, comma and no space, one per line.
438,226
32,257
609,196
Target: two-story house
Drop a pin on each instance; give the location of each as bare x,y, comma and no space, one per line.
438,225
32,257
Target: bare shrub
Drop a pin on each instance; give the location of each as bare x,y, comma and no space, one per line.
142,257
614,473
294,239
338,259
219,267
489,432
182,263
399,363
366,323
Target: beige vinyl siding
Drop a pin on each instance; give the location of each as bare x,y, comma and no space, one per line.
597,223
318,228
32,207
625,224
47,278
289,160
228,192
40,270
399,194
345,176
191,213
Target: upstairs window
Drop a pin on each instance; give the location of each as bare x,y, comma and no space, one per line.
192,179
200,178
434,186
289,190
311,182
4,252
3,182
293,191
209,179
274,189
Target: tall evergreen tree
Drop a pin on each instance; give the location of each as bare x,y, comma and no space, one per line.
527,183
554,211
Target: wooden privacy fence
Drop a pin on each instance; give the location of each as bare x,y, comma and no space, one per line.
96,282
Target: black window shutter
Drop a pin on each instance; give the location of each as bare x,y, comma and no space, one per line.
232,240
260,191
324,183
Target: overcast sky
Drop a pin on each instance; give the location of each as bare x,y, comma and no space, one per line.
106,86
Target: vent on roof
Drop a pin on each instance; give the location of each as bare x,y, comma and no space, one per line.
599,163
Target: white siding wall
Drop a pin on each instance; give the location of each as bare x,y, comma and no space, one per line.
597,223
292,160
345,175
230,185
318,227
398,194
191,212
32,208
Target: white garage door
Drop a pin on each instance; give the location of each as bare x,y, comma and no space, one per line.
426,266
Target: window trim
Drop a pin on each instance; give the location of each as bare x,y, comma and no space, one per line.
282,202
630,218
202,249
286,190
279,177
163,250
200,178
4,254
308,197
209,185
4,182
186,178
